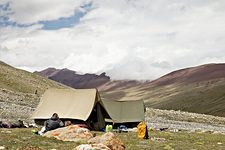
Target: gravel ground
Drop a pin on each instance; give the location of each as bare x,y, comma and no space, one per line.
14,112
183,125
17,105
158,119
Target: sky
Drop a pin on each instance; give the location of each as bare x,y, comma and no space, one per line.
127,39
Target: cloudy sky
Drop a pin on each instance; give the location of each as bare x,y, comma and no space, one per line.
127,39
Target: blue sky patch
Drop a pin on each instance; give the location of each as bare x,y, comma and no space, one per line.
5,10
63,22
47,25
69,21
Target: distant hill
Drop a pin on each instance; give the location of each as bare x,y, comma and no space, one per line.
20,91
73,79
121,85
198,89
194,74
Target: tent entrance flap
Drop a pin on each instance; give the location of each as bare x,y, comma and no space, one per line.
96,120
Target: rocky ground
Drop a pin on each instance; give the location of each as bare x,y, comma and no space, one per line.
177,120
17,105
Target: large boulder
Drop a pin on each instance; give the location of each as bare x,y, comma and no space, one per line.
92,147
70,133
110,140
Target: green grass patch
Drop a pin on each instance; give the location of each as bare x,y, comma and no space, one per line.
14,139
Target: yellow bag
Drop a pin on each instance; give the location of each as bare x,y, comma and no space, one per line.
142,130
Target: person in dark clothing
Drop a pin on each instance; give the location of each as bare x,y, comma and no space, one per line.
53,123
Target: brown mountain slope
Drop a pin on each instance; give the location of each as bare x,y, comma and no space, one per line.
121,85
73,79
194,74
199,89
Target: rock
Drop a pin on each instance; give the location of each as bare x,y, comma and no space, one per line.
92,147
7,131
110,140
2,147
175,130
216,132
70,133
158,139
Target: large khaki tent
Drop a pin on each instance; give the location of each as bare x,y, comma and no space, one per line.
86,105
124,111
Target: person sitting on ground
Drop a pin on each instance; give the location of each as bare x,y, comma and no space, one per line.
53,123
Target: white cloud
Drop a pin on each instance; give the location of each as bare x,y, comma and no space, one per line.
32,11
128,39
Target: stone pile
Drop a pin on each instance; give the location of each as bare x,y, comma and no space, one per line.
107,141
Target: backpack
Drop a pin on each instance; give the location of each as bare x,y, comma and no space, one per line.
142,130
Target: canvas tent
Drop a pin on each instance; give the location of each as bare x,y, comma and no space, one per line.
124,111
86,105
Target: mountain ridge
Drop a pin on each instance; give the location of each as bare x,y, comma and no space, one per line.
73,79
193,74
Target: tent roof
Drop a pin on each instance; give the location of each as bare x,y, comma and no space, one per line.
125,111
79,103
68,103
